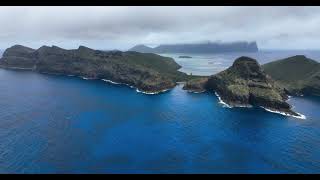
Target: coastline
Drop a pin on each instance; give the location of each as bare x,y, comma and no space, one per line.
16,68
137,89
109,81
301,116
224,104
231,106
151,93
196,92
87,78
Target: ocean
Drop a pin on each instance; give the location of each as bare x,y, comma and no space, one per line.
208,64
61,124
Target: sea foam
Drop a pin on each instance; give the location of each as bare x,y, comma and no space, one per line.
151,93
221,101
301,116
109,81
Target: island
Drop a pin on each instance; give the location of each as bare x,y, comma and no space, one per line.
149,73
185,57
210,47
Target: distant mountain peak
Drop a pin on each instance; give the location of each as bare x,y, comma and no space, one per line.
204,47
142,48
83,47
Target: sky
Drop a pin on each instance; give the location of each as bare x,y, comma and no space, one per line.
123,27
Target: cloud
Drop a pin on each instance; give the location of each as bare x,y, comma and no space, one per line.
123,27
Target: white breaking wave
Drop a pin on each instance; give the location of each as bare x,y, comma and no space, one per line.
229,106
301,116
151,93
222,102
244,106
137,90
86,78
109,81
19,68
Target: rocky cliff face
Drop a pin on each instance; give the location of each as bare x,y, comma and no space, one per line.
19,57
196,85
148,72
246,84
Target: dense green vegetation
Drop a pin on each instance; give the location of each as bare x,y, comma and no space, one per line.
297,74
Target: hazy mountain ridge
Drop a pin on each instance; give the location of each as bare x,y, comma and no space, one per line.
199,48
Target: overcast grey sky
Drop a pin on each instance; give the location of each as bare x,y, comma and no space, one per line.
123,27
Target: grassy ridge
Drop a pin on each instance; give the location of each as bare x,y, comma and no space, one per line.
297,74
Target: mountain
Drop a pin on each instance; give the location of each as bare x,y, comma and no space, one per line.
200,48
142,48
245,84
18,56
147,72
297,74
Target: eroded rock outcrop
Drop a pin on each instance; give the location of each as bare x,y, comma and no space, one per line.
196,85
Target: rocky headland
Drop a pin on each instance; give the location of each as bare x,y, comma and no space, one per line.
149,73
245,84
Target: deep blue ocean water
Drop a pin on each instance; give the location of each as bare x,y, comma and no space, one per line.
58,124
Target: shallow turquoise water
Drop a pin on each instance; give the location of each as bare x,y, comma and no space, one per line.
58,124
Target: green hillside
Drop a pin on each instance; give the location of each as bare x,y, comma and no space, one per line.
297,74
